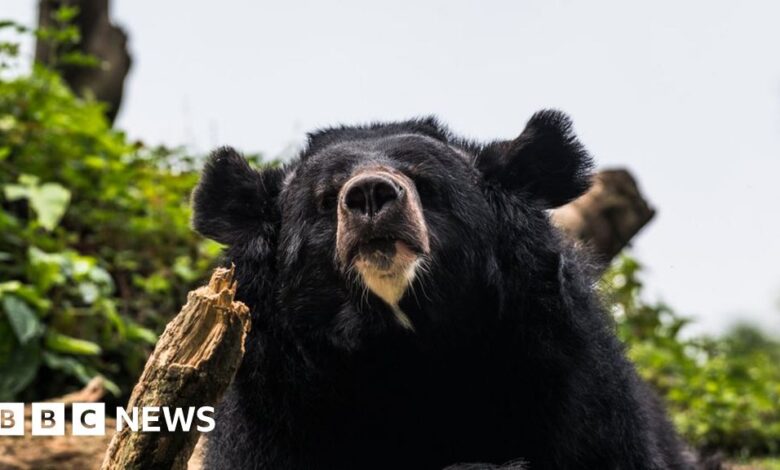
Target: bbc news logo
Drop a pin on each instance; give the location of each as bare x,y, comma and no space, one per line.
89,419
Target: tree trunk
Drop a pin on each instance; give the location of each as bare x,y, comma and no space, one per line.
191,366
100,38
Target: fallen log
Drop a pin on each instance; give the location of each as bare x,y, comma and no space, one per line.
192,365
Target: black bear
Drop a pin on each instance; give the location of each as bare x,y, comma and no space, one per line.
413,307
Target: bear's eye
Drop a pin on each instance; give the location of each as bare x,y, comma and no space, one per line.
326,201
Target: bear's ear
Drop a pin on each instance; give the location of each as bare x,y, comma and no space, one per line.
233,201
546,161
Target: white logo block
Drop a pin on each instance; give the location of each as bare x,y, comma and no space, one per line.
89,419
48,419
11,419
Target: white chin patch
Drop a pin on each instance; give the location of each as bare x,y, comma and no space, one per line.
390,282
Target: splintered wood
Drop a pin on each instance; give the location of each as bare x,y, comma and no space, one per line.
191,366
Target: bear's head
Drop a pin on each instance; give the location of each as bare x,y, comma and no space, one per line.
384,227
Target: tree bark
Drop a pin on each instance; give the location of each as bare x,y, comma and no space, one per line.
99,38
608,216
191,366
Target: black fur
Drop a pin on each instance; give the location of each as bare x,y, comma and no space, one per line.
512,358
233,201
546,160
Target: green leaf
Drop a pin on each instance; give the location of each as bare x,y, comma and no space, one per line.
49,200
22,319
69,345
19,366
136,332
79,59
89,292
182,266
25,292
16,191
111,386
7,123
76,368
9,286
46,269
65,14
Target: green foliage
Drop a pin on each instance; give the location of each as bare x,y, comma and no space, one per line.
722,393
756,464
96,252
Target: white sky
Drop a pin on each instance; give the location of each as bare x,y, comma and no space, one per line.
685,94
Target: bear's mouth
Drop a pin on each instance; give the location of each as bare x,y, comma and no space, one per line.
385,256
379,252
387,267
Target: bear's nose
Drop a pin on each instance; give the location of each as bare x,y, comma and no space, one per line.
368,195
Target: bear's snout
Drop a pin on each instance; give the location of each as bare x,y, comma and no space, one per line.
368,195
381,230
379,204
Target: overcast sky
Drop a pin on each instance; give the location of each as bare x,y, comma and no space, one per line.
684,94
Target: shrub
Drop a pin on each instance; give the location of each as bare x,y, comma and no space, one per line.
722,392
96,251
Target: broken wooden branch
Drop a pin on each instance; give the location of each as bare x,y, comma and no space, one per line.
608,216
191,366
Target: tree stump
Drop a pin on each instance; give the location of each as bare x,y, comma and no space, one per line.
192,365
